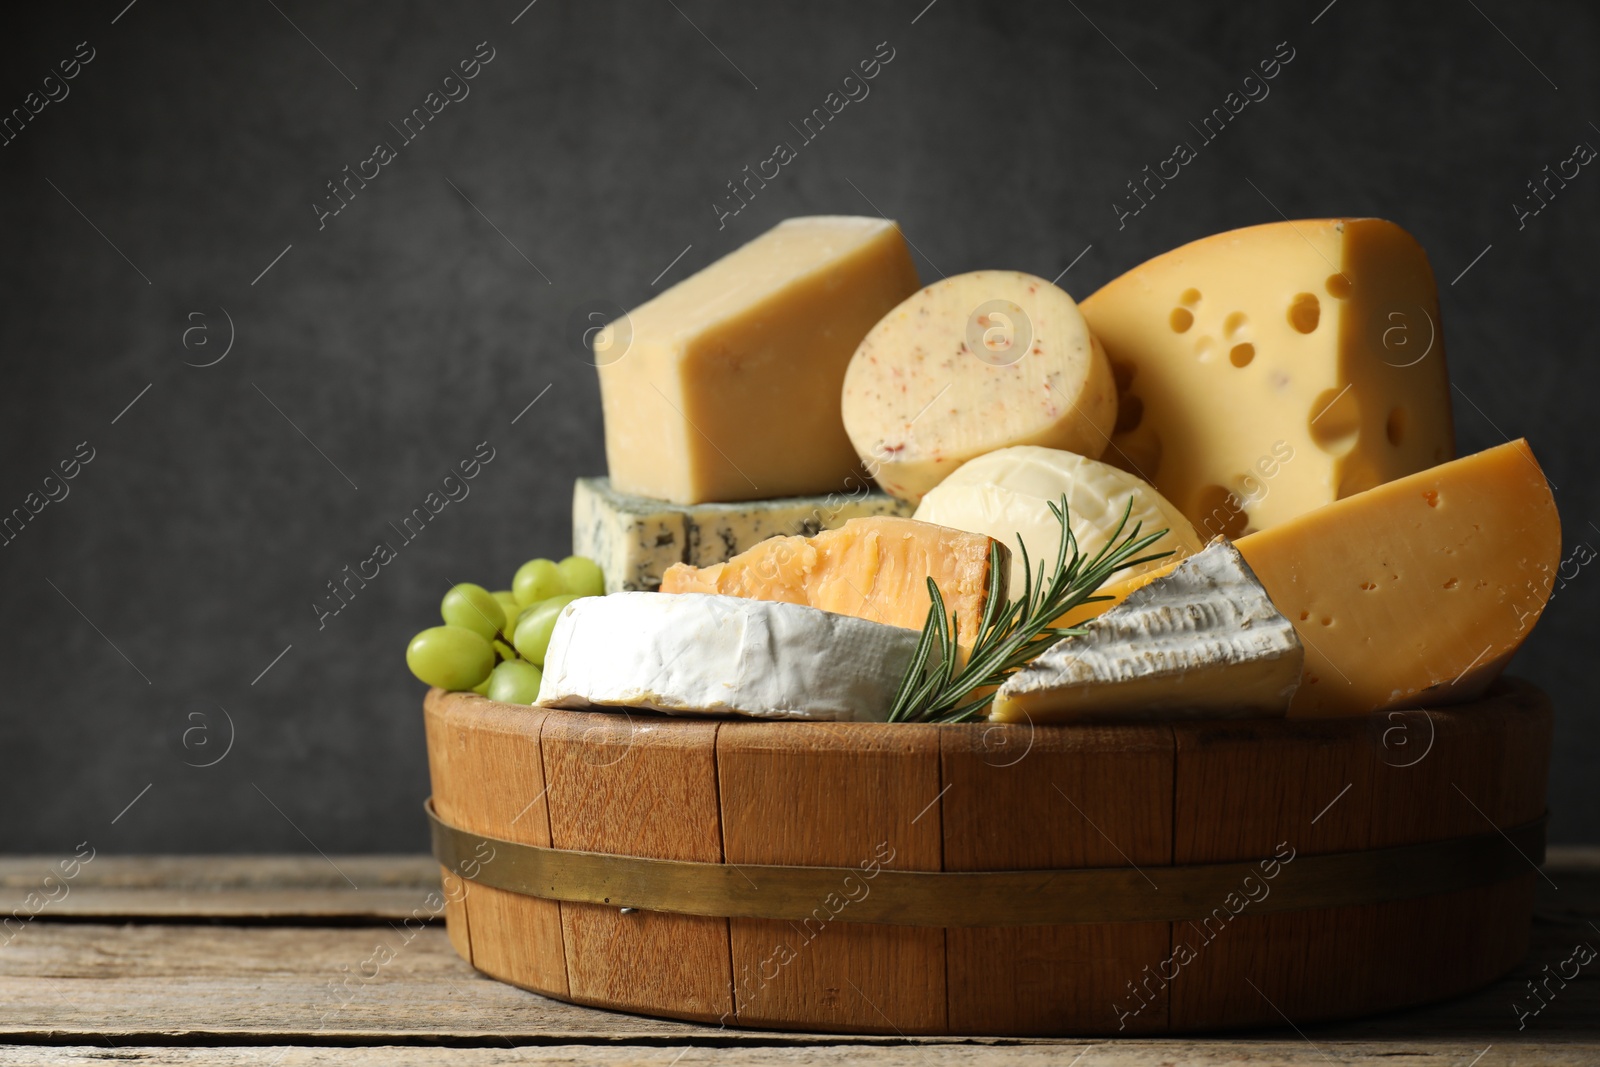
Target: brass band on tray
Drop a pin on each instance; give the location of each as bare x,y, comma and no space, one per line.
988,898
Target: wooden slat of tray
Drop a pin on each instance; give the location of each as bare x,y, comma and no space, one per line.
1100,799
862,797
617,785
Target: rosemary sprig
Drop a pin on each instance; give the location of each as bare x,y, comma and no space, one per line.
1010,634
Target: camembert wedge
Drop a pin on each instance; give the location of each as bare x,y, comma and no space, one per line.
717,655
1204,640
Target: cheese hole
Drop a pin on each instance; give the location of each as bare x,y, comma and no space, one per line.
1190,297
1304,615
1369,586
1220,513
1130,412
1122,374
1304,312
1432,497
1327,620
1138,454
1205,349
1182,319
1234,324
1451,584
1395,427
1241,355
1338,286
1335,420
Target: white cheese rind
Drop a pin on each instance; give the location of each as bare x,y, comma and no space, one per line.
694,654
635,539
1204,641
1008,493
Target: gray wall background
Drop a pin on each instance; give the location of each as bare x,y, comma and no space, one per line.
377,351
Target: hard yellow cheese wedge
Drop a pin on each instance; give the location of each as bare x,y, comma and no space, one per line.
1412,594
872,568
1267,371
726,386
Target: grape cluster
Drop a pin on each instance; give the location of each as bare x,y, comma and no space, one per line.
494,643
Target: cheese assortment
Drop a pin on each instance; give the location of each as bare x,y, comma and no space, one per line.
871,568
726,386
970,364
1005,494
1231,470
635,539
1204,639
1268,371
719,655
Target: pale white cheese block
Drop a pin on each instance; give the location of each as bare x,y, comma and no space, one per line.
1204,641
697,654
1007,495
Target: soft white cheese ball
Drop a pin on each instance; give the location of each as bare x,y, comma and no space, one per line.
1007,494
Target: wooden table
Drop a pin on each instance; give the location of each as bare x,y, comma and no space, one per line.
276,960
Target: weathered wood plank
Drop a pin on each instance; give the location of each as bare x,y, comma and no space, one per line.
1107,1054
151,983
244,887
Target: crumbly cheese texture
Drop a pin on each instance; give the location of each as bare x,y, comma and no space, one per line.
718,655
1268,371
726,386
1203,641
971,364
635,539
1007,494
1416,593
875,568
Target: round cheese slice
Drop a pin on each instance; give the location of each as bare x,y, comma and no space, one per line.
1008,493
699,654
971,364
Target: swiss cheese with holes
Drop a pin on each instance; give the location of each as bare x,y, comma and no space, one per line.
1265,372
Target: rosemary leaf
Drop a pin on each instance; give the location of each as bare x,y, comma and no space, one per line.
1010,635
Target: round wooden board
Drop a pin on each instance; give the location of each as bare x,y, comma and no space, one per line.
981,797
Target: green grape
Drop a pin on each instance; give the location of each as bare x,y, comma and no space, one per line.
474,608
509,605
450,657
503,650
582,576
536,580
535,627
482,688
515,682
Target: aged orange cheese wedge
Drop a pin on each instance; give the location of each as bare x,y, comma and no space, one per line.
1411,594
873,568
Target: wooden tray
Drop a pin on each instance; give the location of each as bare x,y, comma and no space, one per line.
988,797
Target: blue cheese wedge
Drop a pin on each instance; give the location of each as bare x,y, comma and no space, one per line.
635,539
697,654
1204,641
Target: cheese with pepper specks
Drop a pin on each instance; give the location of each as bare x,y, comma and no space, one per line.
971,364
